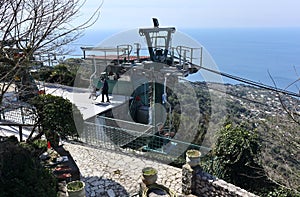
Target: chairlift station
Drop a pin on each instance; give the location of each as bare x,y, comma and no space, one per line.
145,73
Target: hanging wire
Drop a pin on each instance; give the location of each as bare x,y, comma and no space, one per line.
247,81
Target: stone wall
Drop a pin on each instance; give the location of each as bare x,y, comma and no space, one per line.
199,183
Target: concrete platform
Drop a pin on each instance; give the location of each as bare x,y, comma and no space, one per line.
80,97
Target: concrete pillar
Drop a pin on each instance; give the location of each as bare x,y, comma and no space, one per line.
189,178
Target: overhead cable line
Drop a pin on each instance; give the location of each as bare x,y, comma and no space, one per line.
247,81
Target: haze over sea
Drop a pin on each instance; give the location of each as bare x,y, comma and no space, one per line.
252,53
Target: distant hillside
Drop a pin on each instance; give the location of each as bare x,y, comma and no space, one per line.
275,116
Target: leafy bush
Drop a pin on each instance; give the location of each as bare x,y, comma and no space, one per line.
282,192
63,73
236,153
57,116
22,174
36,147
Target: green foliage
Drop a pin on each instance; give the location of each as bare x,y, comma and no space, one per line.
36,147
280,153
75,185
22,174
43,74
236,153
39,144
57,115
63,73
282,192
260,153
149,171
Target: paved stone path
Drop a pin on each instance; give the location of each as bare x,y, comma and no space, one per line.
113,173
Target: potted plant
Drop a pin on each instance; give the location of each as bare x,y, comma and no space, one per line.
193,157
149,175
76,189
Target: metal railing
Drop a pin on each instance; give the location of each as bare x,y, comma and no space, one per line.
18,114
137,141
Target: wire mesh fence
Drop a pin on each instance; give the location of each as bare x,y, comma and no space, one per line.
135,138
19,115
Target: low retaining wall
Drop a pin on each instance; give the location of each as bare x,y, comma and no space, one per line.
197,182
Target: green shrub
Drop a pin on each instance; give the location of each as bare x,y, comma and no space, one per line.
22,174
236,152
282,192
57,116
36,147
75,185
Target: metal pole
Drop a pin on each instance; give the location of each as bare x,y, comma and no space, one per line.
22,116
201,57
20,133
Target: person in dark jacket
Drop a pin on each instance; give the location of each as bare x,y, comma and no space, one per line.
104,90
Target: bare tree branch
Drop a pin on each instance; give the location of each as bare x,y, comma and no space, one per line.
292,114
28,27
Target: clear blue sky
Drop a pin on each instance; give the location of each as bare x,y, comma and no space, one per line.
128,14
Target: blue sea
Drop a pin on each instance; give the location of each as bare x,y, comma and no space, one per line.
267,55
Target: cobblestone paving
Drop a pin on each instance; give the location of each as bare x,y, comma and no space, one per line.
112,173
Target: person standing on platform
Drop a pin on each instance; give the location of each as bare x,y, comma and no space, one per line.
104,90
